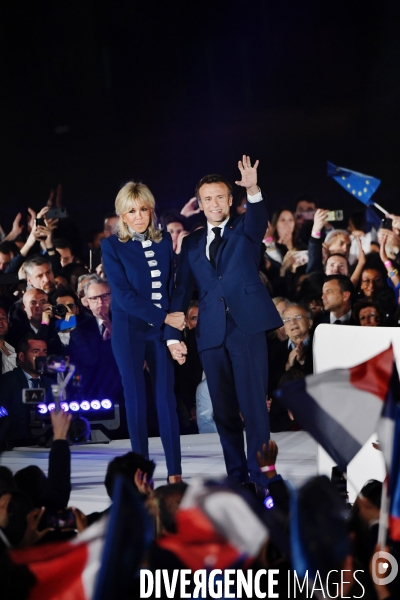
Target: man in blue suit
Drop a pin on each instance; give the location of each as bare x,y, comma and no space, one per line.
235,311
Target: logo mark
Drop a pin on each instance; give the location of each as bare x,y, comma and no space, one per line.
387,564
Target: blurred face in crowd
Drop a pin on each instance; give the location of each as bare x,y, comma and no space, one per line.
191,317
61,281
99,299
336,265
215,202
96,243
340,244
5,260
175,229
66,256
110,226
42,278
297,324
304,206
3,323
34,302
280,332
27,360
369,317
332,296
69,302
371,282
285,224
315,307
81,293
138,218
241,208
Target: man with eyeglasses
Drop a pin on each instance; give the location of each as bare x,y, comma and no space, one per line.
98,294
298,322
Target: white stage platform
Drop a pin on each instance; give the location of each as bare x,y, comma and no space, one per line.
201,456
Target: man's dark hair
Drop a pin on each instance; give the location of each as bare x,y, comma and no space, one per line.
344,282
62,291
127,465
35,261
212,179
8,248
23,344
62,243
303,198
341,256
168,498
372,490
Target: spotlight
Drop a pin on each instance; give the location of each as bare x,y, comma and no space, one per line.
64,406
42,408
51,406
95,404
85,405
74,406
269,502
106,403
3,412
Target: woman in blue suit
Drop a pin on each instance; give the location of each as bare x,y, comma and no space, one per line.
138,262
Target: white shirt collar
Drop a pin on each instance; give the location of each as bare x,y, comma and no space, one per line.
221,226
343,319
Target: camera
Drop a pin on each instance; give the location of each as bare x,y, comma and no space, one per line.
59,310
52,364
33,395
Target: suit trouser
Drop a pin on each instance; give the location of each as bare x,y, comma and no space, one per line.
130,354
237,377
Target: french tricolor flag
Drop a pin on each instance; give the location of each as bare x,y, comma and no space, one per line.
65,570
389,441
341,408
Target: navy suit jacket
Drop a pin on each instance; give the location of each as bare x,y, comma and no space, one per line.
234,283
130,277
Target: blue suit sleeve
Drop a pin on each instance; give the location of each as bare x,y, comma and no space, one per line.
122,291
255,220
182,294
314,256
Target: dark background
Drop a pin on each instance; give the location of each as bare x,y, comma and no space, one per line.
97,92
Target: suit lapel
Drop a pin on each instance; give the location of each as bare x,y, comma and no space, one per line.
228,229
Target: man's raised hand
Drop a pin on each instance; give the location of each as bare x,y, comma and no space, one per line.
249,175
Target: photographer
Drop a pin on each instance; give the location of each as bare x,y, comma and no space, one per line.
14,430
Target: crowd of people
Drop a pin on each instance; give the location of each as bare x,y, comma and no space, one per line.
55,298
193,526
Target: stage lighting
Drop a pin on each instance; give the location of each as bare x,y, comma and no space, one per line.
64,406
3,412
269,502
85,405
74,406
42,408
95,404
106,403
51,406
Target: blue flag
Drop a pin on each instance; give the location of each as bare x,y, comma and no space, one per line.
358,185
129,533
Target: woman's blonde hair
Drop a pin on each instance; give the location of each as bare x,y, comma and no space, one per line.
136,193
